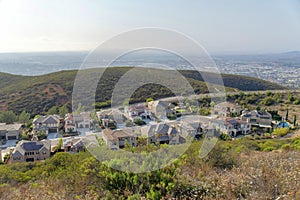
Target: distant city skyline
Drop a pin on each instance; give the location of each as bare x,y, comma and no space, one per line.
220,26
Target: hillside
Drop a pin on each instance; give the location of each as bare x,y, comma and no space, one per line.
39,93
244,168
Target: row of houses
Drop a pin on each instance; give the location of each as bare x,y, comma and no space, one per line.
171,133
71,122
177,132
153,111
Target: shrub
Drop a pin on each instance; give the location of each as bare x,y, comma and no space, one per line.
225,137
281,132
286,147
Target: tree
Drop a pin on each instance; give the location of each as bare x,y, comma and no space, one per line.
8,117
41,135
24,117
52,111
291,98
60,144
129,123
139,122
149,100
63,110
268,101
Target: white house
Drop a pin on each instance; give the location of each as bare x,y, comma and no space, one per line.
82,120
261,119
70,124
231,126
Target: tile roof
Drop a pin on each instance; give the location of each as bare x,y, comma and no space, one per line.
10,127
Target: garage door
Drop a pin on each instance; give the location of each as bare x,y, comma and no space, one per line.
12,137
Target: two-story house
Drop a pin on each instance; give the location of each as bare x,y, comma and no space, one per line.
161,133
262,119
139,111
70,124
231,126
227,109
160,109
30,151
82,120
48,123
117,139
111,117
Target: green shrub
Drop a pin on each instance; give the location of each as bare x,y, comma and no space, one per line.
286,147
281,131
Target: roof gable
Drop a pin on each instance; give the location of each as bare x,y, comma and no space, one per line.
51,120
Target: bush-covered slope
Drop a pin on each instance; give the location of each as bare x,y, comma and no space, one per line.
239,169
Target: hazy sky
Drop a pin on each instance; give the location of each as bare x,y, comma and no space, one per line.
221,26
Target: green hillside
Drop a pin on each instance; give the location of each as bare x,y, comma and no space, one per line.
38,94
244,168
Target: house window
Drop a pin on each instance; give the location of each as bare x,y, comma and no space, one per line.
44,152
16,158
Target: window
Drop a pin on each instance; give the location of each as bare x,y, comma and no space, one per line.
16,158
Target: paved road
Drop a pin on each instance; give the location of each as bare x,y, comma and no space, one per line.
221,94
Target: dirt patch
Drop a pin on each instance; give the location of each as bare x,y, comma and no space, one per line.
52,89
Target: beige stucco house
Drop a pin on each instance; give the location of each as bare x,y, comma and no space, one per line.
10,131
30,151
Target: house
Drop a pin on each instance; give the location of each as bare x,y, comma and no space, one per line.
194,130
139,111
30,151
82,120
227,109
10,131
262,119
160,109
48,123
231,126
161,133
111,117
116,139
70,124
73,145
194,126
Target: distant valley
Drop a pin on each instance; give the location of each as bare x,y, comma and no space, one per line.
282,68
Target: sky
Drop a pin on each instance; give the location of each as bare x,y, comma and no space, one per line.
220,26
